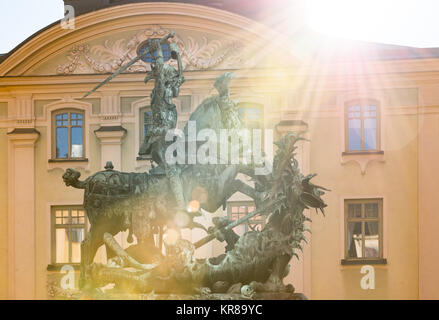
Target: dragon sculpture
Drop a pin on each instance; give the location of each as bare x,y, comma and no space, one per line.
152,205
253,264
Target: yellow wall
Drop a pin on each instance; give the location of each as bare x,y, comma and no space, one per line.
428,202
129,154
51,190
3,214
395,181
406,180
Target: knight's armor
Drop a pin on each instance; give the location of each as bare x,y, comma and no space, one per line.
164,112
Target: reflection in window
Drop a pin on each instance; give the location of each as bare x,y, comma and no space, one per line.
69,135
150,58
251,115
237,210
146,122
362,125
363,228
68,231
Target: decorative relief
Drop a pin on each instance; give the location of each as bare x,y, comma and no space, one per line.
363,159
196,54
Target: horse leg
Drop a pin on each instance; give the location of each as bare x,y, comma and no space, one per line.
92,242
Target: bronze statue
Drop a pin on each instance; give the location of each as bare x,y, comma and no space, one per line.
152,204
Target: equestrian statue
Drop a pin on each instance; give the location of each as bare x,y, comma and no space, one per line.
156,205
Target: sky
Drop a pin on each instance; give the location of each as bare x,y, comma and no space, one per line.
401,22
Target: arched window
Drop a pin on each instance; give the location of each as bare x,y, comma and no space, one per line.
362,124
148,57
68,134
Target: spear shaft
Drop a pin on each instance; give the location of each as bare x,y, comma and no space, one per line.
235,223
129,64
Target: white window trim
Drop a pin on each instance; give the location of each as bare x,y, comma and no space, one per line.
362,160
68,104
48,224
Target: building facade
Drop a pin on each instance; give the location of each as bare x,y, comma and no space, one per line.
371,113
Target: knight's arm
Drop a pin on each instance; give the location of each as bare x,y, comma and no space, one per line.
171,34
149,76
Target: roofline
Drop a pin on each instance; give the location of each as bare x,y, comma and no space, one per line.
399,52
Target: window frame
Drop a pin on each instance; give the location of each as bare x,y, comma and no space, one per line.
54,227
141,114
252,105
380,219
362,103
69,111
231,204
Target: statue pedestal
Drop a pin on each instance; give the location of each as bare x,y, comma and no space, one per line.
212,296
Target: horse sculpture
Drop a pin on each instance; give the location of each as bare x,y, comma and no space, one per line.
115,201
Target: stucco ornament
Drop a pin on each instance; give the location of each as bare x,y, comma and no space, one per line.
196,54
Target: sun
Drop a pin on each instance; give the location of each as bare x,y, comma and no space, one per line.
371,20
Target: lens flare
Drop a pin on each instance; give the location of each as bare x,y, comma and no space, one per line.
193,206
171,237
181,219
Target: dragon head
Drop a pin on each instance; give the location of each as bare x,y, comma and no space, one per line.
70,177
289,181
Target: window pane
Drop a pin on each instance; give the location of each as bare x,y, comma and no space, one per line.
371,210
76,142
76,119
354,131
147,122
354,108
354,210
62,246
354,240
253,114
370,137
354,115
62,143
371,241
241,112
371,114
77,235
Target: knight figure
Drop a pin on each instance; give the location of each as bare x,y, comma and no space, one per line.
167,82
